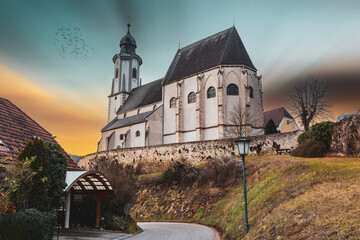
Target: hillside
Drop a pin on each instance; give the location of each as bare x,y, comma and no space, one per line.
288,198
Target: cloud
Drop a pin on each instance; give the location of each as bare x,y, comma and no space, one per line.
75,124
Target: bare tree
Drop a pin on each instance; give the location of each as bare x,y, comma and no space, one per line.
308,100
238,122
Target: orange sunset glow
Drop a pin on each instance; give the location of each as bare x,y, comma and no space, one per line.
68,119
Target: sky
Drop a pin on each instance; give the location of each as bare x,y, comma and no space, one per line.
65,89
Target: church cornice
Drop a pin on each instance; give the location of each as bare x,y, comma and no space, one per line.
116,56
202,72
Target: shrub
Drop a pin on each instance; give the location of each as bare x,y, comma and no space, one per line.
321,133
39,186
28,225
118,223
180,173
270,127
314,142
305,136
57,170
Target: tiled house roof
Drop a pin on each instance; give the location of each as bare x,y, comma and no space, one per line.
17,129
276,115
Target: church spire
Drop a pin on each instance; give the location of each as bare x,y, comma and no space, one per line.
127,44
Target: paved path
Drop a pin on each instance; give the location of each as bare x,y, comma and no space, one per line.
173,231
88,235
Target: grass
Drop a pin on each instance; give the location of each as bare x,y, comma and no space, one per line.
288,198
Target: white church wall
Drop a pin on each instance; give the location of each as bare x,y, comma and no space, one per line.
211,104
189,109
232,75
256,103
170,91
211,133
114,106
134,81
154,124
125,64
189,136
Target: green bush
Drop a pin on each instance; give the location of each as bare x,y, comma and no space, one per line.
28,225
305,136
118,223
314,142
321,133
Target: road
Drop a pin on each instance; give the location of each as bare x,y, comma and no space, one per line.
173,231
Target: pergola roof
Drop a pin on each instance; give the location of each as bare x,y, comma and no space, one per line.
87,181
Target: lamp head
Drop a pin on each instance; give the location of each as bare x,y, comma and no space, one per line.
243,146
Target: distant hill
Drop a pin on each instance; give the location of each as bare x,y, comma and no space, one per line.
75,158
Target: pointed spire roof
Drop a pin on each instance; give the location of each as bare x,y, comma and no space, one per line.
223,48
127,44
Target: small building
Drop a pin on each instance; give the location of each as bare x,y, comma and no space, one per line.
282,118
17,129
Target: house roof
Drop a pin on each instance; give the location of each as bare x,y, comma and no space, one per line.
17,129
276,115
144,95
118,123
223,48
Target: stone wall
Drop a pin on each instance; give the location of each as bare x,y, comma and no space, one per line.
156,158
346,137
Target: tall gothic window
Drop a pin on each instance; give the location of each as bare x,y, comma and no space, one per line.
232,89
192,97
137,133
211,92
134,72
172,102
251,92
116,73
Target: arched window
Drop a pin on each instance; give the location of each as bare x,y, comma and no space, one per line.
138,112
134,72
191,97
116,73
251,92
121,136
211,92
172,103
232,89
137,133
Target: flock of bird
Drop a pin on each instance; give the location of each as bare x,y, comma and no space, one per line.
70,42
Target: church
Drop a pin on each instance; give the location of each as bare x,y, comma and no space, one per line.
198,99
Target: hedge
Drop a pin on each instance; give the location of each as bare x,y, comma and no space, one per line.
29,224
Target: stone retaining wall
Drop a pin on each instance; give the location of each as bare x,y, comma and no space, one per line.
158,157
346,137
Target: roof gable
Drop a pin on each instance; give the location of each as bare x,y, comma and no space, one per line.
276,115
17,129
144,95
123,122
223,48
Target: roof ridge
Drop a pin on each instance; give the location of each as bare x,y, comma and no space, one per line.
29,117
227,43
203,39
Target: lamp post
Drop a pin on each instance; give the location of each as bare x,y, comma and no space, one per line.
243,146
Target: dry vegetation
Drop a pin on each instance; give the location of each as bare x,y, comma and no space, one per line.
288,198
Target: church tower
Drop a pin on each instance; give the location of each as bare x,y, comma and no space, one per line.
126,74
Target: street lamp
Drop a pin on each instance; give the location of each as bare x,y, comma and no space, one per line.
243,146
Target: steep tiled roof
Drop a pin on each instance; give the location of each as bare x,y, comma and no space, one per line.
276,115
144,95
223,48
117,123
17,129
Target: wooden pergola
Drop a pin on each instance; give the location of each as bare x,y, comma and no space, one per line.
94,184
